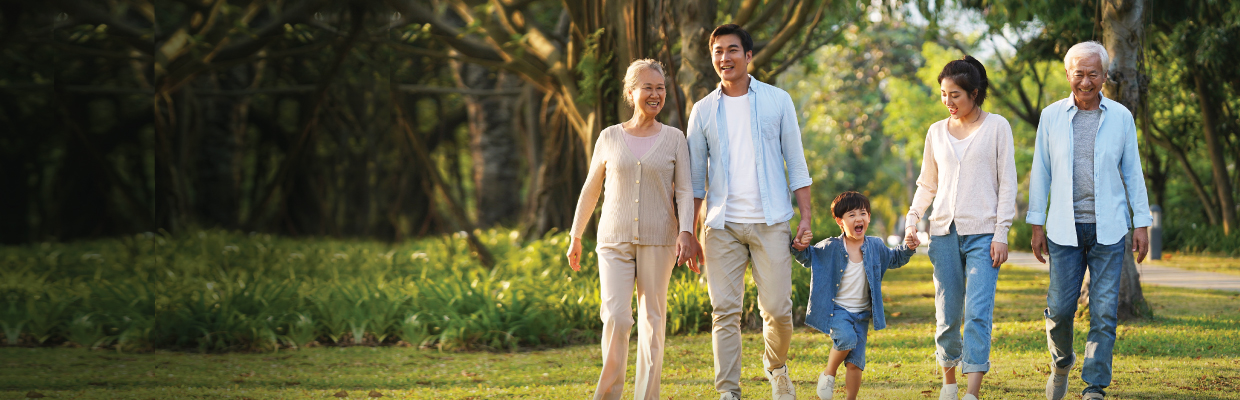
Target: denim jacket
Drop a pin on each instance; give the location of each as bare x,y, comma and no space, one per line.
777,147
828,259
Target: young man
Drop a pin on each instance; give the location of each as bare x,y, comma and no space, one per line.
1086,166
747,132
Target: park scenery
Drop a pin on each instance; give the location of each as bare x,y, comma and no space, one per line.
236,199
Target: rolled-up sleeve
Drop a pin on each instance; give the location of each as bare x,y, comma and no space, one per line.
699,152
790,140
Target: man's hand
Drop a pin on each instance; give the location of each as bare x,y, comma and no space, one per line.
1039,243
802,229
998,253
574,254
687,249
802,242
1141,242
910,237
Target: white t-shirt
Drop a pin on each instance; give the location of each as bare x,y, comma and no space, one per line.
854,293
744,203
960,145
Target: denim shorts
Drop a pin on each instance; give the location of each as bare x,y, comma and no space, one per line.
848,332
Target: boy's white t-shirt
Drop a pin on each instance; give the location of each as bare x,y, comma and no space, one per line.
854,293
744,204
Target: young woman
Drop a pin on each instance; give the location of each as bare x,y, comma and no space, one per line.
640,235
969,171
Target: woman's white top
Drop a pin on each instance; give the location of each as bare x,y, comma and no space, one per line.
960,145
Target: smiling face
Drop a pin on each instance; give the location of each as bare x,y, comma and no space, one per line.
1086,76
649,93
730,59
854,222
954,97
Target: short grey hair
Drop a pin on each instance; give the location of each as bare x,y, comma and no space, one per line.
1086,49
635,68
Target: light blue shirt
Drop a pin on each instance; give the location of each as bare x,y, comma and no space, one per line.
777,145
1119,185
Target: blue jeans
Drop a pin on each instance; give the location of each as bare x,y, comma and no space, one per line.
1068,264
964,297
848,333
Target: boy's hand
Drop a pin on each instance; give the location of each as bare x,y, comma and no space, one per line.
910,237
802,242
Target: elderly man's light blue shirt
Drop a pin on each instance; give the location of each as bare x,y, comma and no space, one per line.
1119,185
777,145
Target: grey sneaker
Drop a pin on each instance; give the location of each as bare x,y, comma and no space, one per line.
1057,383
1092,396
730,396
781,385
826,386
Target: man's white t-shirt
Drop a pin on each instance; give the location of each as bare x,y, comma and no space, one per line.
744,203
854,293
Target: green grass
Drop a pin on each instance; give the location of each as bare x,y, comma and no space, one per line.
1203,263
1188,351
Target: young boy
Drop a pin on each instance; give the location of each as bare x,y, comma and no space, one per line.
845,292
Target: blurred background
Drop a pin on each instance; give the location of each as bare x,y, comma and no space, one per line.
401,119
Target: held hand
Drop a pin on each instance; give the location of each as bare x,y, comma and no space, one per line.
802,229
1141,242
802,242
1039,243
688,250
910,237
998,253
574,254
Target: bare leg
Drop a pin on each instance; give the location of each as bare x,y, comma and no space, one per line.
834,360
949,375
975,383
852,381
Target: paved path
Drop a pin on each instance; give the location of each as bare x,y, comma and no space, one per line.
1153,275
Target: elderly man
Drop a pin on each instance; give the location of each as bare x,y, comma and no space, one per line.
1085,159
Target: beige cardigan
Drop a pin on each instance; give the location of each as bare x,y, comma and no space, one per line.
638,207
981,197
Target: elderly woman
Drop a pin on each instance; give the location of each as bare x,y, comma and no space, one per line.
641,236
969,171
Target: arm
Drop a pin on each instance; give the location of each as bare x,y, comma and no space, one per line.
1134,182
699,153
1039,188
927,187
1006,205
803,227
794,159
586,203
898,256
687,247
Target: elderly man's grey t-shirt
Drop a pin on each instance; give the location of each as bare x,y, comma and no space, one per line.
1084,130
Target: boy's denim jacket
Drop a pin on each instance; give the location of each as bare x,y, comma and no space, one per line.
828,259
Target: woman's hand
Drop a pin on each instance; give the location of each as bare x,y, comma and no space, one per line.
998,253
687,249
574,254
911,240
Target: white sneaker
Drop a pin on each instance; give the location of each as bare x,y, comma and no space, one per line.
826,386
949,391
730,396
969,397
1057,383
781,385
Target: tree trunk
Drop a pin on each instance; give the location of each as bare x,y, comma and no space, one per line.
696,75
1218,164
1122,37
493,144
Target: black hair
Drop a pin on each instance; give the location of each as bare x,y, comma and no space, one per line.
849,201
733,29
970,75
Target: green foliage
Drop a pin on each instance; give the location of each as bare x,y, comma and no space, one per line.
595,71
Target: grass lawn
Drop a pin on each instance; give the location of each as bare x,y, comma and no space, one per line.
1222,265
1191,350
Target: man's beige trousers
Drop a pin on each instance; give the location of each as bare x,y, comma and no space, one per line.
727,253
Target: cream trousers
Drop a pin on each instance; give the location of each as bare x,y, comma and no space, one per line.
621,266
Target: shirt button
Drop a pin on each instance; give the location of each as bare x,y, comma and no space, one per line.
634,219
636,200
639,163
638,182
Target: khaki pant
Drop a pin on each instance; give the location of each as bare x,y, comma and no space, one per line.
727,253
620,266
